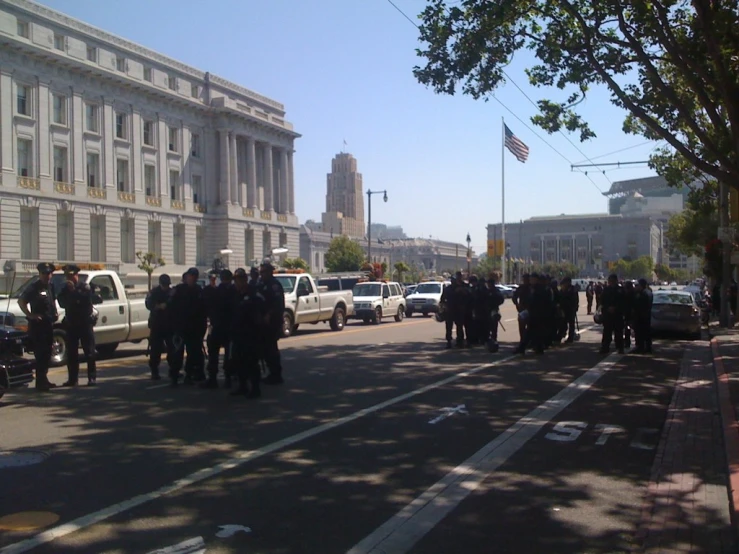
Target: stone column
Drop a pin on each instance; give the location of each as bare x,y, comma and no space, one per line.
290,184
43,142
251,173
268,172
6,122
283,204
242,174
224,173
234,177
78,150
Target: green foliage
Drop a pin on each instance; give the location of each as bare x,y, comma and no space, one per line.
344,254
560,270
641,268
384,268
296,263
487,266
673,67
690,231
148,262
400,269
664,273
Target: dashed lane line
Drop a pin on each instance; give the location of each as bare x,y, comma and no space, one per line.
235,461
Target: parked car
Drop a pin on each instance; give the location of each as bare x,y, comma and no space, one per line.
425,299
123,316
15,370
306,302
676,311
506,291
374,300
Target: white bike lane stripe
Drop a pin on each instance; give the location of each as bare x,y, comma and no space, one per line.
402,531
235,461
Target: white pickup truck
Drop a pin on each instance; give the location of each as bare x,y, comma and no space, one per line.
123,316
305,302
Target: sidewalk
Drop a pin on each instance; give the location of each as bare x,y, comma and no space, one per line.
688,506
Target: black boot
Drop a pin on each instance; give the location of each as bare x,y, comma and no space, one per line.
211,383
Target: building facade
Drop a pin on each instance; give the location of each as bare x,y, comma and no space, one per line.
109,149
344,213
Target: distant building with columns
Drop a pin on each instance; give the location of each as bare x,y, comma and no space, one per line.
344,213
109,148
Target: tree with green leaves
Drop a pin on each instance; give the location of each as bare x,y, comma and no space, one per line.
689,231
560,270
673,66
296,263
401,268
344,254
148,263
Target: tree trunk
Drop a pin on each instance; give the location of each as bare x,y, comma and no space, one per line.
726,319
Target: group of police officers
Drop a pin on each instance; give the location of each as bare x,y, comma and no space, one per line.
547,313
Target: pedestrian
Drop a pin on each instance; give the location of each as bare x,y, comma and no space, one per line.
589,293
478,313
598,289
495,299
38,304
249,335
160,332
220,307
642,317
274,297
569,303
454,301
629,292
80,316
188,319
612,303
522,300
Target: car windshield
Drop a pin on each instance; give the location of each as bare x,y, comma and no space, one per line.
666,298
428,288
58,281
367,289
287,282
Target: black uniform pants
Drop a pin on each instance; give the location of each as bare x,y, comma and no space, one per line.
643,333
244,362
627,332
271,354
590,303
193,345
451,321
613,329
80,335
217,339
482,328
42,338
535,336
567,326
160,342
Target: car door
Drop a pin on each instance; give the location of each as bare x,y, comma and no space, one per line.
307,307
112,324
395,297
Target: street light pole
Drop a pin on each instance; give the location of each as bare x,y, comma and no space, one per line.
369,220
469,255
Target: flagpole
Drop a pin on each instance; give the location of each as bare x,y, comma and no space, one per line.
502,187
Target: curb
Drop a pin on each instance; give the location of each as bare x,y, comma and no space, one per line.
731,432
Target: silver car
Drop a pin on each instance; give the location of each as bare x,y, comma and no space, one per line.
676,311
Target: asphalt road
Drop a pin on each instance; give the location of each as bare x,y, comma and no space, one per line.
380,440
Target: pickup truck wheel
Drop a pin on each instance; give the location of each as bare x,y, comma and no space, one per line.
106,350
287,325
408,313
377,318
59,348
337,320
399,315
4,383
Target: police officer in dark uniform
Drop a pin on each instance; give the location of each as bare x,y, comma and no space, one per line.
248,334
220,306
80,316
39,306
188,318
454,301
254,276
642,317
628,288
274,297
539,315
522,299
569,303
479,312
210,291
495,300
612,304
160,333
589,294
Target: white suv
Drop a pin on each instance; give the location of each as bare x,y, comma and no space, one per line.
425,299
374,300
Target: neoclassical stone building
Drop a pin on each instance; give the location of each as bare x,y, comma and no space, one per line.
108,148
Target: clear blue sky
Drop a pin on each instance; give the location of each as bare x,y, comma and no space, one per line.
343,70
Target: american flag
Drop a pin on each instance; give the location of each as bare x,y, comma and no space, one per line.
515,145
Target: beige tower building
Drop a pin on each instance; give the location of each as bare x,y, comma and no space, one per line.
344,201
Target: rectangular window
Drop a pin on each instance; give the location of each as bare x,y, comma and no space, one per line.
197,190
179,244
195,145
248,247
174,185
155,237
60,164
195,91
25,155
91,118
59,105
266,244
120,63
121,171
174,139
29,233
59,41
147,74
97,238
92,54
149,133
150,180
23,100
23,29
200,245
128,231
172,82
121,126
64,235
93,170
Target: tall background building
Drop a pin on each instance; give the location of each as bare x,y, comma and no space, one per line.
344,213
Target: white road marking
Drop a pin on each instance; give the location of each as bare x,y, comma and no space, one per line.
237,460
401,532
161,386
226,531
190,546
509,320
448,412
